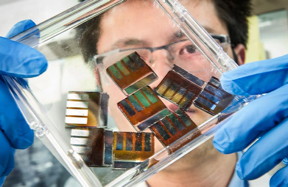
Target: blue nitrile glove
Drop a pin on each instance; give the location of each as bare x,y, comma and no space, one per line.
20,61
265,118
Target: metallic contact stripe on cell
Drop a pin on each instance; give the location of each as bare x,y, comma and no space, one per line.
119,141
129,141
138,145
148,142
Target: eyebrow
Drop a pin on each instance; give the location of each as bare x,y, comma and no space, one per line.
124,42
139,42
128,42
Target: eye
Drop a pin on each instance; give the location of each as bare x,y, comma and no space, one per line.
191,48
188,49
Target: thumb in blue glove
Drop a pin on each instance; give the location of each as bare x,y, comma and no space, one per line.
265,119
20,61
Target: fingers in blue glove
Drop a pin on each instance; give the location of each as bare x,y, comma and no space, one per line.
252,121
256,77
280,178
267,152
12,123
6,155
2,179
20,27
20,60
264,118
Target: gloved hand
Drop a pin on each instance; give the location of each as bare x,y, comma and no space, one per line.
20,61
265,119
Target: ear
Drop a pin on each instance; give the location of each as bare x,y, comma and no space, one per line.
240,52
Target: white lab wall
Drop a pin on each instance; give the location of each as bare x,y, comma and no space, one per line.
13,11
274,32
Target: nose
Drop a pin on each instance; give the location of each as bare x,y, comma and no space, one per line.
161,63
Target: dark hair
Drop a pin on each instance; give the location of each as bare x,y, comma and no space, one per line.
234,14
88,34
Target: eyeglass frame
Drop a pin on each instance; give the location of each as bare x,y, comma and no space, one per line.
223,39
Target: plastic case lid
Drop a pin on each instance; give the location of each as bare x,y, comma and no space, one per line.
112,118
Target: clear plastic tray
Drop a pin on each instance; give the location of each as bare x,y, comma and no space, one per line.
70,99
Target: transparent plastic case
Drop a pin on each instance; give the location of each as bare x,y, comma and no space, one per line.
110,111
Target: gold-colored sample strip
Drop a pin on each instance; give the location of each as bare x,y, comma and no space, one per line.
130,148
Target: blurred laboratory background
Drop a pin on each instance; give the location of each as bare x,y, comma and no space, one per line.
36,166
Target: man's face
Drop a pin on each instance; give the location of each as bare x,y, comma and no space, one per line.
137,23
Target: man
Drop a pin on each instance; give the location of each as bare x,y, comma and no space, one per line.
204,166
132,25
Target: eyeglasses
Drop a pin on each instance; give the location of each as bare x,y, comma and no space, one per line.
179,52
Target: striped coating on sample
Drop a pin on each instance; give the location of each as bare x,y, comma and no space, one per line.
213,99
131,73
133,141
181,89
131,148
141,106
172,127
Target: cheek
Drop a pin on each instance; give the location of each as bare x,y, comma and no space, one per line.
200,67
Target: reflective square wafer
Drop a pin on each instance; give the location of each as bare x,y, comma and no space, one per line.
94,145
143,108
131,73
213,99
132,148
86,109
172,127
180,87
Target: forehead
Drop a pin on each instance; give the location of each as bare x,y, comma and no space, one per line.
142,20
